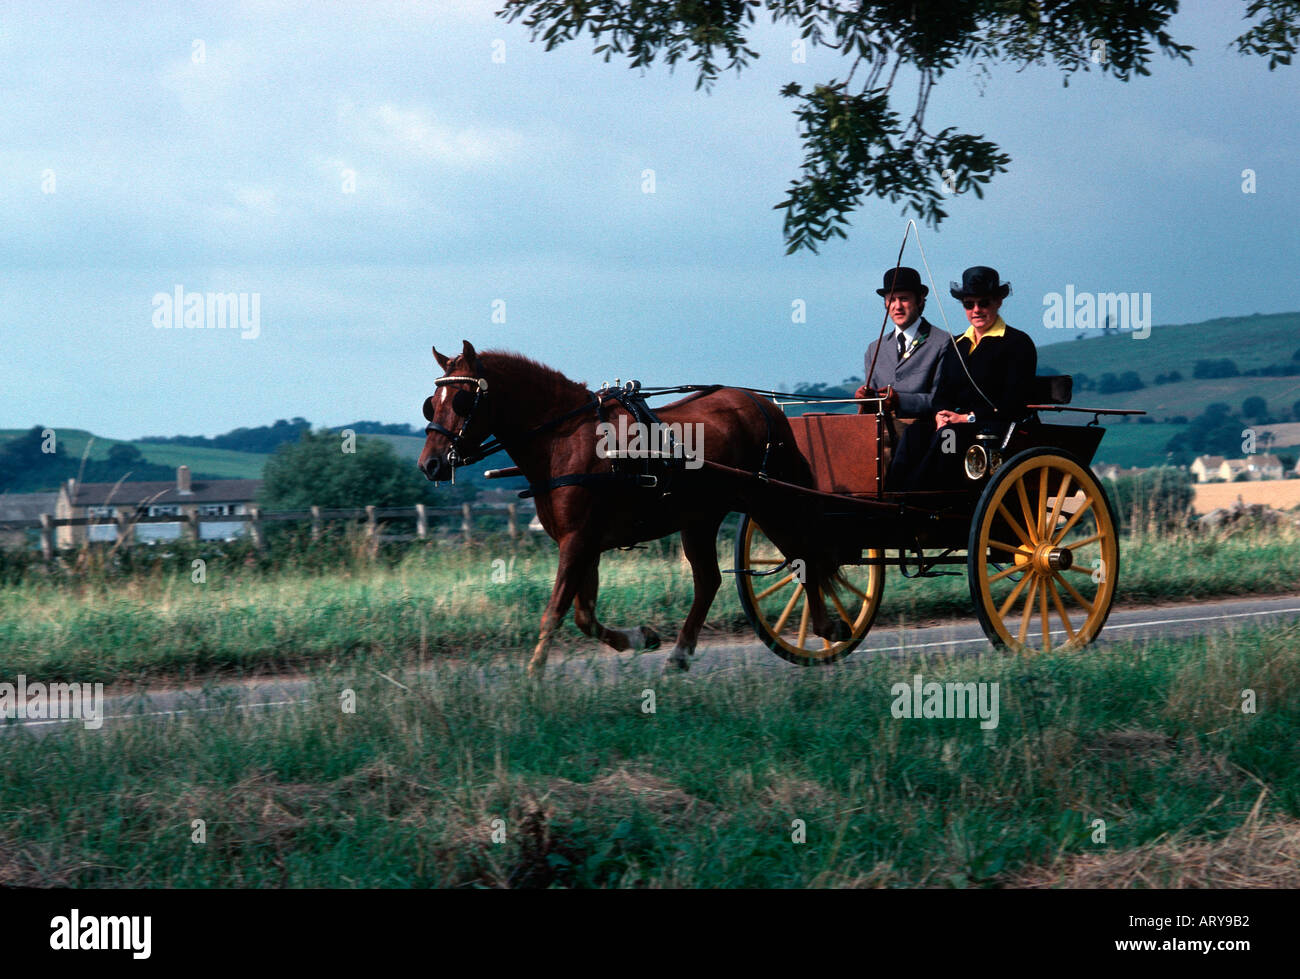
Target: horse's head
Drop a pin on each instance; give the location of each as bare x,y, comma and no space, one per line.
458,414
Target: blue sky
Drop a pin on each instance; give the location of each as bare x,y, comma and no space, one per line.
133,161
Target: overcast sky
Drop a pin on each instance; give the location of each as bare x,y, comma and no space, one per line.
378,181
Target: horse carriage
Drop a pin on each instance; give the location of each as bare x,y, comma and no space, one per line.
1033,527
1032,524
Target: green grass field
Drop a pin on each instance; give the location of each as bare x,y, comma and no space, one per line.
248,617
1131,766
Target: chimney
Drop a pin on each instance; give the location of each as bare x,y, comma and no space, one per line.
183,481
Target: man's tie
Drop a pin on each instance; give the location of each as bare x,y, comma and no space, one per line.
902,346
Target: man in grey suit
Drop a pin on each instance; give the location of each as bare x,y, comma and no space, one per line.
912,356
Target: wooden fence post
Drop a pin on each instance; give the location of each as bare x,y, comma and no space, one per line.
315,523
255,526
125,528
421,522
512,520
47,537
192,521
466,522
372,530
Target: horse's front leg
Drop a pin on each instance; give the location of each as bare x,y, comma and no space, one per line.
584,617
700,544
578,555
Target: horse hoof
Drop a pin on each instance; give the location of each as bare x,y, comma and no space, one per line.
673,663
650,638
838,631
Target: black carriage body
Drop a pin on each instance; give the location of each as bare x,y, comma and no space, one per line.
849,455
1029,516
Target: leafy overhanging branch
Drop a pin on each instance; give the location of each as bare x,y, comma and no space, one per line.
855,144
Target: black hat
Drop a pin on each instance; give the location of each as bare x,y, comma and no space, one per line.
903,279
980,280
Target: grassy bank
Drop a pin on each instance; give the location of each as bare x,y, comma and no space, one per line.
582,787
245,616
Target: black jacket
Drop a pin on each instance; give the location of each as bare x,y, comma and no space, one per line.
1002,367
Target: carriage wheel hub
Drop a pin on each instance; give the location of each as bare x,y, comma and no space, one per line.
1048,558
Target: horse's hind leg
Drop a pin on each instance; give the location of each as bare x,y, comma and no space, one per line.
584,616
700,543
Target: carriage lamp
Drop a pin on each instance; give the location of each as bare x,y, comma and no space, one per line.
983,457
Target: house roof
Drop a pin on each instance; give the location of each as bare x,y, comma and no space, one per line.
1209,462
1267,461
204,491
26,506
1236,465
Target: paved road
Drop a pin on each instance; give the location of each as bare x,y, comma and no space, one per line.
885,640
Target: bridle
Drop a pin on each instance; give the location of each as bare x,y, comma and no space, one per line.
456,456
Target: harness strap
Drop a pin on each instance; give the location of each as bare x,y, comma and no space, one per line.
633,480
767,447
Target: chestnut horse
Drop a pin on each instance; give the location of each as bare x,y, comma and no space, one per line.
548,426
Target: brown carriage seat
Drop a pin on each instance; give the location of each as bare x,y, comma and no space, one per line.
1051,389
847,453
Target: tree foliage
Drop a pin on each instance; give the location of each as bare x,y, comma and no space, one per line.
856,143
316,471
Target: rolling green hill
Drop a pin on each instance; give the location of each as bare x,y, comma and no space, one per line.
1251,342
217,463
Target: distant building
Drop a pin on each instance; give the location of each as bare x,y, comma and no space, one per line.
1105,470
1253,467
23,506
207,498
1207,469
1109,470
1264,467
1232,469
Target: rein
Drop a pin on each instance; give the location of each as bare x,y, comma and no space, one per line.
631,396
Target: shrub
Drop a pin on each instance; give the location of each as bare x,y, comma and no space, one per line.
1215,368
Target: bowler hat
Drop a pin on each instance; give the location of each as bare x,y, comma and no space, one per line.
903,279
980,280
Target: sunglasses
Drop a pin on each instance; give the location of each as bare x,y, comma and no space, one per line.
981,303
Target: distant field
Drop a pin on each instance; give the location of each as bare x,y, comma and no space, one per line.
1191,397
223,463
1131,444
1282,494
409,446
1249,341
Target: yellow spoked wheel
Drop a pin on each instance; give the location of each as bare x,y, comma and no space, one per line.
1043,555
777,604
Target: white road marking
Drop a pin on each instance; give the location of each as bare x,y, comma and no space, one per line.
1108,628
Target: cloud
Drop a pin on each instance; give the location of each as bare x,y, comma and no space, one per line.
415,132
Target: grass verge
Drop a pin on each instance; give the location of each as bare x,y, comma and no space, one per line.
244,616
460,781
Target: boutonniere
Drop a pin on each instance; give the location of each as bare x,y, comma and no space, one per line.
921,336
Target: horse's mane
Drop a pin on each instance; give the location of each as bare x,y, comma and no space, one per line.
508,362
